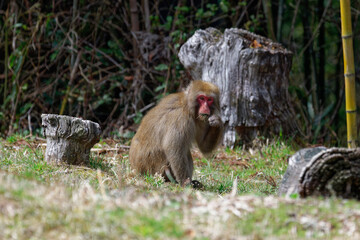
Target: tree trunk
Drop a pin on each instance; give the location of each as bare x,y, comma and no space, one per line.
320,85
252,73
69,139
269,19
279,20
323,172
147,16
306,58
134,25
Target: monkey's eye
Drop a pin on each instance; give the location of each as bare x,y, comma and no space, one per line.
210,100
202,98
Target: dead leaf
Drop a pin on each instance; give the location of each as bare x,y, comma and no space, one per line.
129,78
255,44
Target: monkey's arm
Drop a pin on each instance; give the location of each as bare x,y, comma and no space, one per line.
213,135
211,139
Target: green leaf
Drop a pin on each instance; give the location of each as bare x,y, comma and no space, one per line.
18,25
18,63
112,44
25,108
199,14
294,195
212,7
310,109
161,67
208,14
176,46
159,88
12,59
224,5
183,9
54,55
168,23
138,117
25,87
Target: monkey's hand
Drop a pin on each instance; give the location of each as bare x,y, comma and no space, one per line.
215,121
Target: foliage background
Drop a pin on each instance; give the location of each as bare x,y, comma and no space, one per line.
110,61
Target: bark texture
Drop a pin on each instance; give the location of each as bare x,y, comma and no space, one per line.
290,180
252,73
69,139
323,172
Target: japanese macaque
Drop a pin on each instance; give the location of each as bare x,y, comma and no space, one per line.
167,132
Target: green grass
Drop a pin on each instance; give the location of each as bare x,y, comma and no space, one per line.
257,171
106,200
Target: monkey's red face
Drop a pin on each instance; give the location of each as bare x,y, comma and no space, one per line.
205,103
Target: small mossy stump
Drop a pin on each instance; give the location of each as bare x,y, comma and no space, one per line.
323,172
252,73
69,139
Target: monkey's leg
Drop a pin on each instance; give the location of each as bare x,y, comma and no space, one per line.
181,166
169,175
194,183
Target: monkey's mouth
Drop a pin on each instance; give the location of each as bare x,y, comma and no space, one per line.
203,117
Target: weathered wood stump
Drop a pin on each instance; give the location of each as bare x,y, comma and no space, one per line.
69,139
323,172
290,180
252,73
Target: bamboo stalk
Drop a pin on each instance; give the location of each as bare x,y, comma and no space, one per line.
349,72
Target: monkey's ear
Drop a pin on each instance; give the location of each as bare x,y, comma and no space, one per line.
190,98
187,90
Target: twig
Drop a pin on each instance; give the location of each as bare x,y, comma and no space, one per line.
293,20
105,55
316,30
101,150
141,110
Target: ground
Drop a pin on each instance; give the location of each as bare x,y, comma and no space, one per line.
106,200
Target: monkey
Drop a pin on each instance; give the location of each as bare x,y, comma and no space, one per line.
167,132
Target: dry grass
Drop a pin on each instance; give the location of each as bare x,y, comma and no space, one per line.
107,201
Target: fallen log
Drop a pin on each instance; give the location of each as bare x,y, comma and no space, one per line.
323,172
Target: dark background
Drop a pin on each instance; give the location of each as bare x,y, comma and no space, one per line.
107,60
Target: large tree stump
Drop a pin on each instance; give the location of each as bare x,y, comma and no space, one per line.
323,172
69,139
252,73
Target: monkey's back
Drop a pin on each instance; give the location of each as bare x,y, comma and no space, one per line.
158,133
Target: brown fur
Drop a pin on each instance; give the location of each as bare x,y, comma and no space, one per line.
167,132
